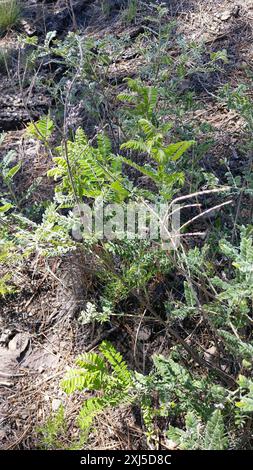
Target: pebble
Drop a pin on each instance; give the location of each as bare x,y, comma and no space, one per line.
56,403
225,16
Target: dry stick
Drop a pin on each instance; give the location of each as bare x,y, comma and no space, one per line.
194,354
103,336
137,332
19,440
72,14
188,222
65,131
205,212
189,196
200,193
191,234
65,146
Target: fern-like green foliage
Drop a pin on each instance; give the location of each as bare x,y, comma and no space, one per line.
9,258
95,171
215,436
246,394
153,144
142,100
237,346
231,310
239,100
91,314
182,394
179,391
6,287
9,167
235,291
49,238
190,438
149,415
180,310
138,265
198,436
41,129
107,373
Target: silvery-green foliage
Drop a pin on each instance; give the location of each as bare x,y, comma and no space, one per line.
92,314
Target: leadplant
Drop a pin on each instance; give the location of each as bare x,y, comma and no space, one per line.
153,144
197,436
140,101
42,129
105,372
95,171
9,167
245,403
179,393
52,431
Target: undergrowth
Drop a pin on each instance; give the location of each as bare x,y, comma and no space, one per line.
138,145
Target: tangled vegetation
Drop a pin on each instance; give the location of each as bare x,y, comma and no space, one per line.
136,141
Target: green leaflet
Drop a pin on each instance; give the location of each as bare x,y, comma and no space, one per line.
198,436
214,436
154,145
175,151
94,170
12,172
41,129
246,399
106,372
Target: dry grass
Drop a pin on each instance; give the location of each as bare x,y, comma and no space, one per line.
10,11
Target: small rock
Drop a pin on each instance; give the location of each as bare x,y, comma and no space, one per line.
144,333
41,360
236,11
171,444
56,403
19,343
6,383
28,27
211,354
4,338
226,15
2,434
